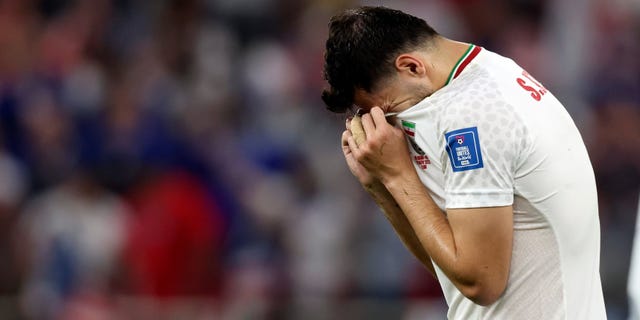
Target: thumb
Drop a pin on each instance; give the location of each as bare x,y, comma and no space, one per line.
357,130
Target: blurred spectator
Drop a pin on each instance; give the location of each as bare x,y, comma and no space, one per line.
13,189
74,234
47,148
175,242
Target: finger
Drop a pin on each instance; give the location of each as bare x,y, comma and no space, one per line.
348,122
367,124
357,130
377,116
345,135
352,145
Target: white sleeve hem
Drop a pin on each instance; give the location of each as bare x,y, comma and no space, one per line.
478,199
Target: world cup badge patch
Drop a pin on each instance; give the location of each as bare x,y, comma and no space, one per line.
463,147
421,159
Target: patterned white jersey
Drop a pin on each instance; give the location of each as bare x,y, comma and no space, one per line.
494,136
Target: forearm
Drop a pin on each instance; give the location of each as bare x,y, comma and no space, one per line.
432,229
471,246
399,222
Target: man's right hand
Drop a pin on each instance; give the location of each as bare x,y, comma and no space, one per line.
363,176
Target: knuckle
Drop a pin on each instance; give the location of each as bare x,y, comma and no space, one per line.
371,144
366,149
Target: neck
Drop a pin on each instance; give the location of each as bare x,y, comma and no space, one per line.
439,59
444,57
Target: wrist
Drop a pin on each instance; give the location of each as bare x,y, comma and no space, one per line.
374,187
406,177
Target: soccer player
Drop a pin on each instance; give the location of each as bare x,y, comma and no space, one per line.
484,175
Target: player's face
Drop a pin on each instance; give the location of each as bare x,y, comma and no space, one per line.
393,96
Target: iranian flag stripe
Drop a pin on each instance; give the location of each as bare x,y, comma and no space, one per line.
409,128
466,58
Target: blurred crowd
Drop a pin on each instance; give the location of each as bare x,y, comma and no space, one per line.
171,159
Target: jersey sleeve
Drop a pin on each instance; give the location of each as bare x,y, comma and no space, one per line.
480,151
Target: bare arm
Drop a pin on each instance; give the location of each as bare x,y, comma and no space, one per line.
400,224
471,246
389,206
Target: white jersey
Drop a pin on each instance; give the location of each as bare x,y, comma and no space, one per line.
494,136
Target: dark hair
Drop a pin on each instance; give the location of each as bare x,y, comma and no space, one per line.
361,49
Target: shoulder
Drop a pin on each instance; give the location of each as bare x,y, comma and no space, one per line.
477,99
484,118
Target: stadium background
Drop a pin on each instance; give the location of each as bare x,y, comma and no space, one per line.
173,160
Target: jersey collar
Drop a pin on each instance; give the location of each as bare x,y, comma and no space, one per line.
464,61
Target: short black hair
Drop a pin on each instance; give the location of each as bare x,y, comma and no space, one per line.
361,50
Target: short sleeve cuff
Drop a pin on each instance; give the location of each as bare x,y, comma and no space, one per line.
478,199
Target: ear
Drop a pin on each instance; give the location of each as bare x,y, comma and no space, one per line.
410,64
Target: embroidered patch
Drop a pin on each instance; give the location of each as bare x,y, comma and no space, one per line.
409,128
410,131
421,159
463,147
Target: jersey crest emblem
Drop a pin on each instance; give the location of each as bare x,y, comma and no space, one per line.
463,147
